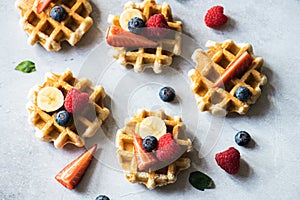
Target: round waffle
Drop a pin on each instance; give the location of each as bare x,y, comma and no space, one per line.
167,174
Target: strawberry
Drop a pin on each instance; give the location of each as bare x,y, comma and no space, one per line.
42,5
117,37
236,68
229,160
167,149
71,175
144,159
215,17
75,100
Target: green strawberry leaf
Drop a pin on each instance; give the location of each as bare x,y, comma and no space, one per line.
200,181
26,67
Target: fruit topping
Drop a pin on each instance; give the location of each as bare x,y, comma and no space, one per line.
63,118
157,26
102,197
135,25
229,160
243,93
144,159
50,99
167,149
234,69
71,175
42,5
167,94
242,138
58,13
153,126
215,17
127,15
75,100
150,143
118,37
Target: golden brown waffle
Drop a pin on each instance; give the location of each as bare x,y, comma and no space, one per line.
84,124
42,29
150,58
166,175
211,64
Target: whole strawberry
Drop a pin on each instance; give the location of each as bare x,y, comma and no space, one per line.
229,160
167,149
215,17
75,100
157,26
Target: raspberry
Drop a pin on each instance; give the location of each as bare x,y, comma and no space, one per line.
157,26
215,17
229,160
167,149
75,100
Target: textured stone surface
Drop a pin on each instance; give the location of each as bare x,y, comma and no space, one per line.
270,170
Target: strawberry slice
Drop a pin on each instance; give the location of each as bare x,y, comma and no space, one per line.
42,5
144,159
117,37
236,68
71,175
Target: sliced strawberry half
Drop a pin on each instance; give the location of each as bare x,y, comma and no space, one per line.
42,5
144,159
236,68
117,37
71,175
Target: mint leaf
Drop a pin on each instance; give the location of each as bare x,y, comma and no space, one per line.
26,67
200,180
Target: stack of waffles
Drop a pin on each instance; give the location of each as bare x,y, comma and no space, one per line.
84,124
42,29
211,65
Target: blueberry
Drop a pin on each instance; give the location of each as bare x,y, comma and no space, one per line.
150,143
58,13
243,93
63,118
167,94
102,197
135,24
242,138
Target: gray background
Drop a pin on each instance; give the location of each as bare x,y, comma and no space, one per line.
270,169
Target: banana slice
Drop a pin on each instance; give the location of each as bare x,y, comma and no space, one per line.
152,125
127,15
50,99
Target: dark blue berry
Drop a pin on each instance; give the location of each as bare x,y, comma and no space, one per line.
135,25
167,94
58,13
63,118
102,197
243,93
242,138
150,143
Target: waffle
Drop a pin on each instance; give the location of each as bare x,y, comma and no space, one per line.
84,124
155,58
211,64
160,177
42,29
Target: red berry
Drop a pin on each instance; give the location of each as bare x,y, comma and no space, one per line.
229,160
167,149
75,100
157,26
215,17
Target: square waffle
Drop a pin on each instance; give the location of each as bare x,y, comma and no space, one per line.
154,58
211,64
84,124
42,29
160,177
